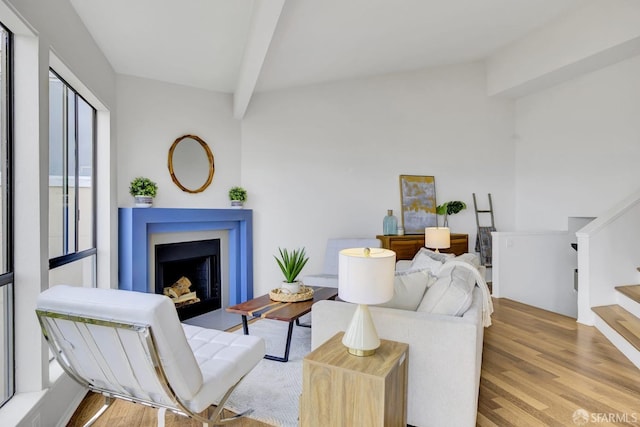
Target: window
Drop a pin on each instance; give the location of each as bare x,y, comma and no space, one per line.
72,124
6,225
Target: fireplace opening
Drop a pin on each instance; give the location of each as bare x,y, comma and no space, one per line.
199,263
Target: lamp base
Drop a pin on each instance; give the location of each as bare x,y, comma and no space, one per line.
361,353
361,338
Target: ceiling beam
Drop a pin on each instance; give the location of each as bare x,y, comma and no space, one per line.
264,20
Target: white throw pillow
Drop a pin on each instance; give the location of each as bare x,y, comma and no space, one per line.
408,289
451,294
426,259
470,258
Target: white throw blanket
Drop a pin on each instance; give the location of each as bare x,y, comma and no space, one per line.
487,304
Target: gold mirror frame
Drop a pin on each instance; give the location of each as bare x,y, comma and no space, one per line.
209,157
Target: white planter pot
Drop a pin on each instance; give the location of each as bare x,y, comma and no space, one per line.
237,204
143,201
291,288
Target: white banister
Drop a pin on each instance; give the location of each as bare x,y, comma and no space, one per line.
608,255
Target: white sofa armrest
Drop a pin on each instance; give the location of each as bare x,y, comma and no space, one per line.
445,354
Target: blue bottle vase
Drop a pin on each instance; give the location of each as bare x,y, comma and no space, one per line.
390,224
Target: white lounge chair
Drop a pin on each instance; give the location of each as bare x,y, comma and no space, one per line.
130,345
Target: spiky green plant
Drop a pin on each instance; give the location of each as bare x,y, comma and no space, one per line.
292,263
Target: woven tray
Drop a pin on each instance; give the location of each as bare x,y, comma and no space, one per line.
278,294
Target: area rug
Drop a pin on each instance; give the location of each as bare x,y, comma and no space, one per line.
272,389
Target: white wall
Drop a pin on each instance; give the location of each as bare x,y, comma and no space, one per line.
577,147
45,30
537,269
152,115
324,161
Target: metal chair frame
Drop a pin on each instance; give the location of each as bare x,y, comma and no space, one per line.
53,337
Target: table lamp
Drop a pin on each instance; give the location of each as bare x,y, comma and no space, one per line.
437,238
365,276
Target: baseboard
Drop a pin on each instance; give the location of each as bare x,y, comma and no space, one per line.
71,409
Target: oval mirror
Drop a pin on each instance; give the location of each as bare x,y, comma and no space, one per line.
191,164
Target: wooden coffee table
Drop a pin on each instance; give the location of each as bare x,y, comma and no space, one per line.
265,308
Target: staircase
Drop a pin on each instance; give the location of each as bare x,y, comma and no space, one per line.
620,322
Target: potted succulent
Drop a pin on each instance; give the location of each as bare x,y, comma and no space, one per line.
238,196
450,208
291,264
143,190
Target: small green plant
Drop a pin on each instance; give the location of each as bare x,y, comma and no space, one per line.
450,208
141,186
292,263
238,193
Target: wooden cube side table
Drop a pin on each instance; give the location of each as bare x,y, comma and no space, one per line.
339,389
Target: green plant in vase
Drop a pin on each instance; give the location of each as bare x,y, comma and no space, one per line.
238,196
450,208
291,264
143,190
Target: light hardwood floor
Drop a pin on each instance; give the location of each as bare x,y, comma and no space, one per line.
538,369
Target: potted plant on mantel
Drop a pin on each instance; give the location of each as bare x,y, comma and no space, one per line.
450,208
291,265
143,191
238,196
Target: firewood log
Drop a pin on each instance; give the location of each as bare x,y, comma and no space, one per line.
170,292
181,286
191,301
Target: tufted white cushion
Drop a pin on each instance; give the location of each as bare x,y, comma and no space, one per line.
223,359
408,289
451,294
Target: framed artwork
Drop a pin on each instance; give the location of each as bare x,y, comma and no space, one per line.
418,202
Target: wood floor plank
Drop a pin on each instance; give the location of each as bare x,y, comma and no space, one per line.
551,393
484,421
516,390
538,368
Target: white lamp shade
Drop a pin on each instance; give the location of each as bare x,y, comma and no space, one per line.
437,237
366,278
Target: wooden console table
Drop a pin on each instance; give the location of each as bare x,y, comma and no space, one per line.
408,245
339,389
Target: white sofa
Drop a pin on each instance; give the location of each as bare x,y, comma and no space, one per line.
445,352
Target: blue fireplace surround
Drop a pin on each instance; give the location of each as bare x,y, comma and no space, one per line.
136,225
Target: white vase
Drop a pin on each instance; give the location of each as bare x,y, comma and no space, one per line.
237,204
143,201
291,288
